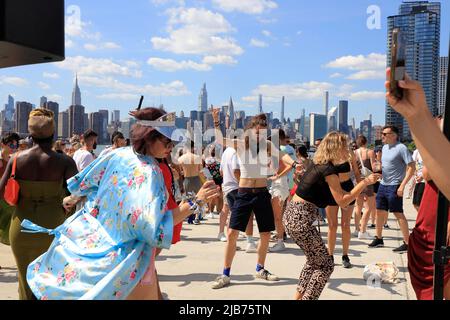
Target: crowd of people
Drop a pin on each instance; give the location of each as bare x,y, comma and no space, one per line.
89,226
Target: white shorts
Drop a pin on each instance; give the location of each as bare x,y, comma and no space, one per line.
279,191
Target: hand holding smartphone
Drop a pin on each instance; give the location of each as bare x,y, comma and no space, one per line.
398,57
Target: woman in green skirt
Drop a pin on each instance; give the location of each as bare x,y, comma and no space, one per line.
41,173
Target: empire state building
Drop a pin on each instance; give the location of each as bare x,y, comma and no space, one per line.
76,94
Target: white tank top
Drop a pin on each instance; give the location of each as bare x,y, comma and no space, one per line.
253,165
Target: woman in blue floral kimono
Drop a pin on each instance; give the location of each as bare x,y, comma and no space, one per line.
105,249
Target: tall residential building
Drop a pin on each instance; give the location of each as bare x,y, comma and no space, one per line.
283,120
307,131
377,133
63,125
76,94
318,126
302,124
22,114
419,22
54,107
42,102
443,77
116,117
332,119
260,104
203,99
76,120
343,116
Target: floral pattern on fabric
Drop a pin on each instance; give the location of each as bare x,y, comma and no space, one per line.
104,250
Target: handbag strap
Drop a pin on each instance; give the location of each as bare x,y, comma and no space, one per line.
13,172
363,168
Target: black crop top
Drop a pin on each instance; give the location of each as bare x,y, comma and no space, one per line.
313,187
343,168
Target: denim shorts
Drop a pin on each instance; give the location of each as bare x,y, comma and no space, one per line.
388,200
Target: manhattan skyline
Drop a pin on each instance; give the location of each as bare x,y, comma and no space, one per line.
280,48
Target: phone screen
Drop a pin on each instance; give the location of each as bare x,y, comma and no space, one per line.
398,64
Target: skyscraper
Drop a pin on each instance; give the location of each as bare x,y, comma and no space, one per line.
231,115
9,109
333,119
42,102
76,94
105,118
54,107
22,114
283,120
203,99
419,22
326,104
116,117
96,123
443,73
260,110
63,124
365,129
343,116
76,120
318,126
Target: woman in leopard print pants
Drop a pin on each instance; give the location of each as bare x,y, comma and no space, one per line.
319,187
298,219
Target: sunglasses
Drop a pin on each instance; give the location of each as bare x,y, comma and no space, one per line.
386,134
13,146
168,143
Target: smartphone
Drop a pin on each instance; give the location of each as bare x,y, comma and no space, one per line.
398,57
207,174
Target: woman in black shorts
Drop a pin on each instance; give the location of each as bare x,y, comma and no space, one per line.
319,188
344,171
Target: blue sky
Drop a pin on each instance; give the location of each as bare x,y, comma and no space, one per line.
166,49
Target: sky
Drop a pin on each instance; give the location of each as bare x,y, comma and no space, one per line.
166,49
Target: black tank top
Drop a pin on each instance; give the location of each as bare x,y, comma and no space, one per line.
343,168
313,186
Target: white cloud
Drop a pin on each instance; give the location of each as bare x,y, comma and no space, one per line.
14,81
246,6
92,66
100,46
174,88
336,75
199,32
266,21
373,61
258,43
69,43
368,75
170,65
220,59
43,85
50,75
266,33
297,91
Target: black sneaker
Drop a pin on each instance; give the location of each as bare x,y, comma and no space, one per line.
386,226
372,226
346,262
377,243
402,248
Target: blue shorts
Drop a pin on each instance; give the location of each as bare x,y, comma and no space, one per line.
388,200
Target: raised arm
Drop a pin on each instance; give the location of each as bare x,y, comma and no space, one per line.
432,144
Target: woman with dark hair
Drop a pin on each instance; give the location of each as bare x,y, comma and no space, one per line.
106,250
365,159
41,173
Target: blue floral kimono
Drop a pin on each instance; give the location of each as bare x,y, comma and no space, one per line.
105,249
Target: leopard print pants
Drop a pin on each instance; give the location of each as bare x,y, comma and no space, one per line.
298,219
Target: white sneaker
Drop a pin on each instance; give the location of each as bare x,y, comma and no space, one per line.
210,216
251,247
266,275
365,236
279,246
315,223
220,282
222,237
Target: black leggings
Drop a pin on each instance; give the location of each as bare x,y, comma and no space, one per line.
298,219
